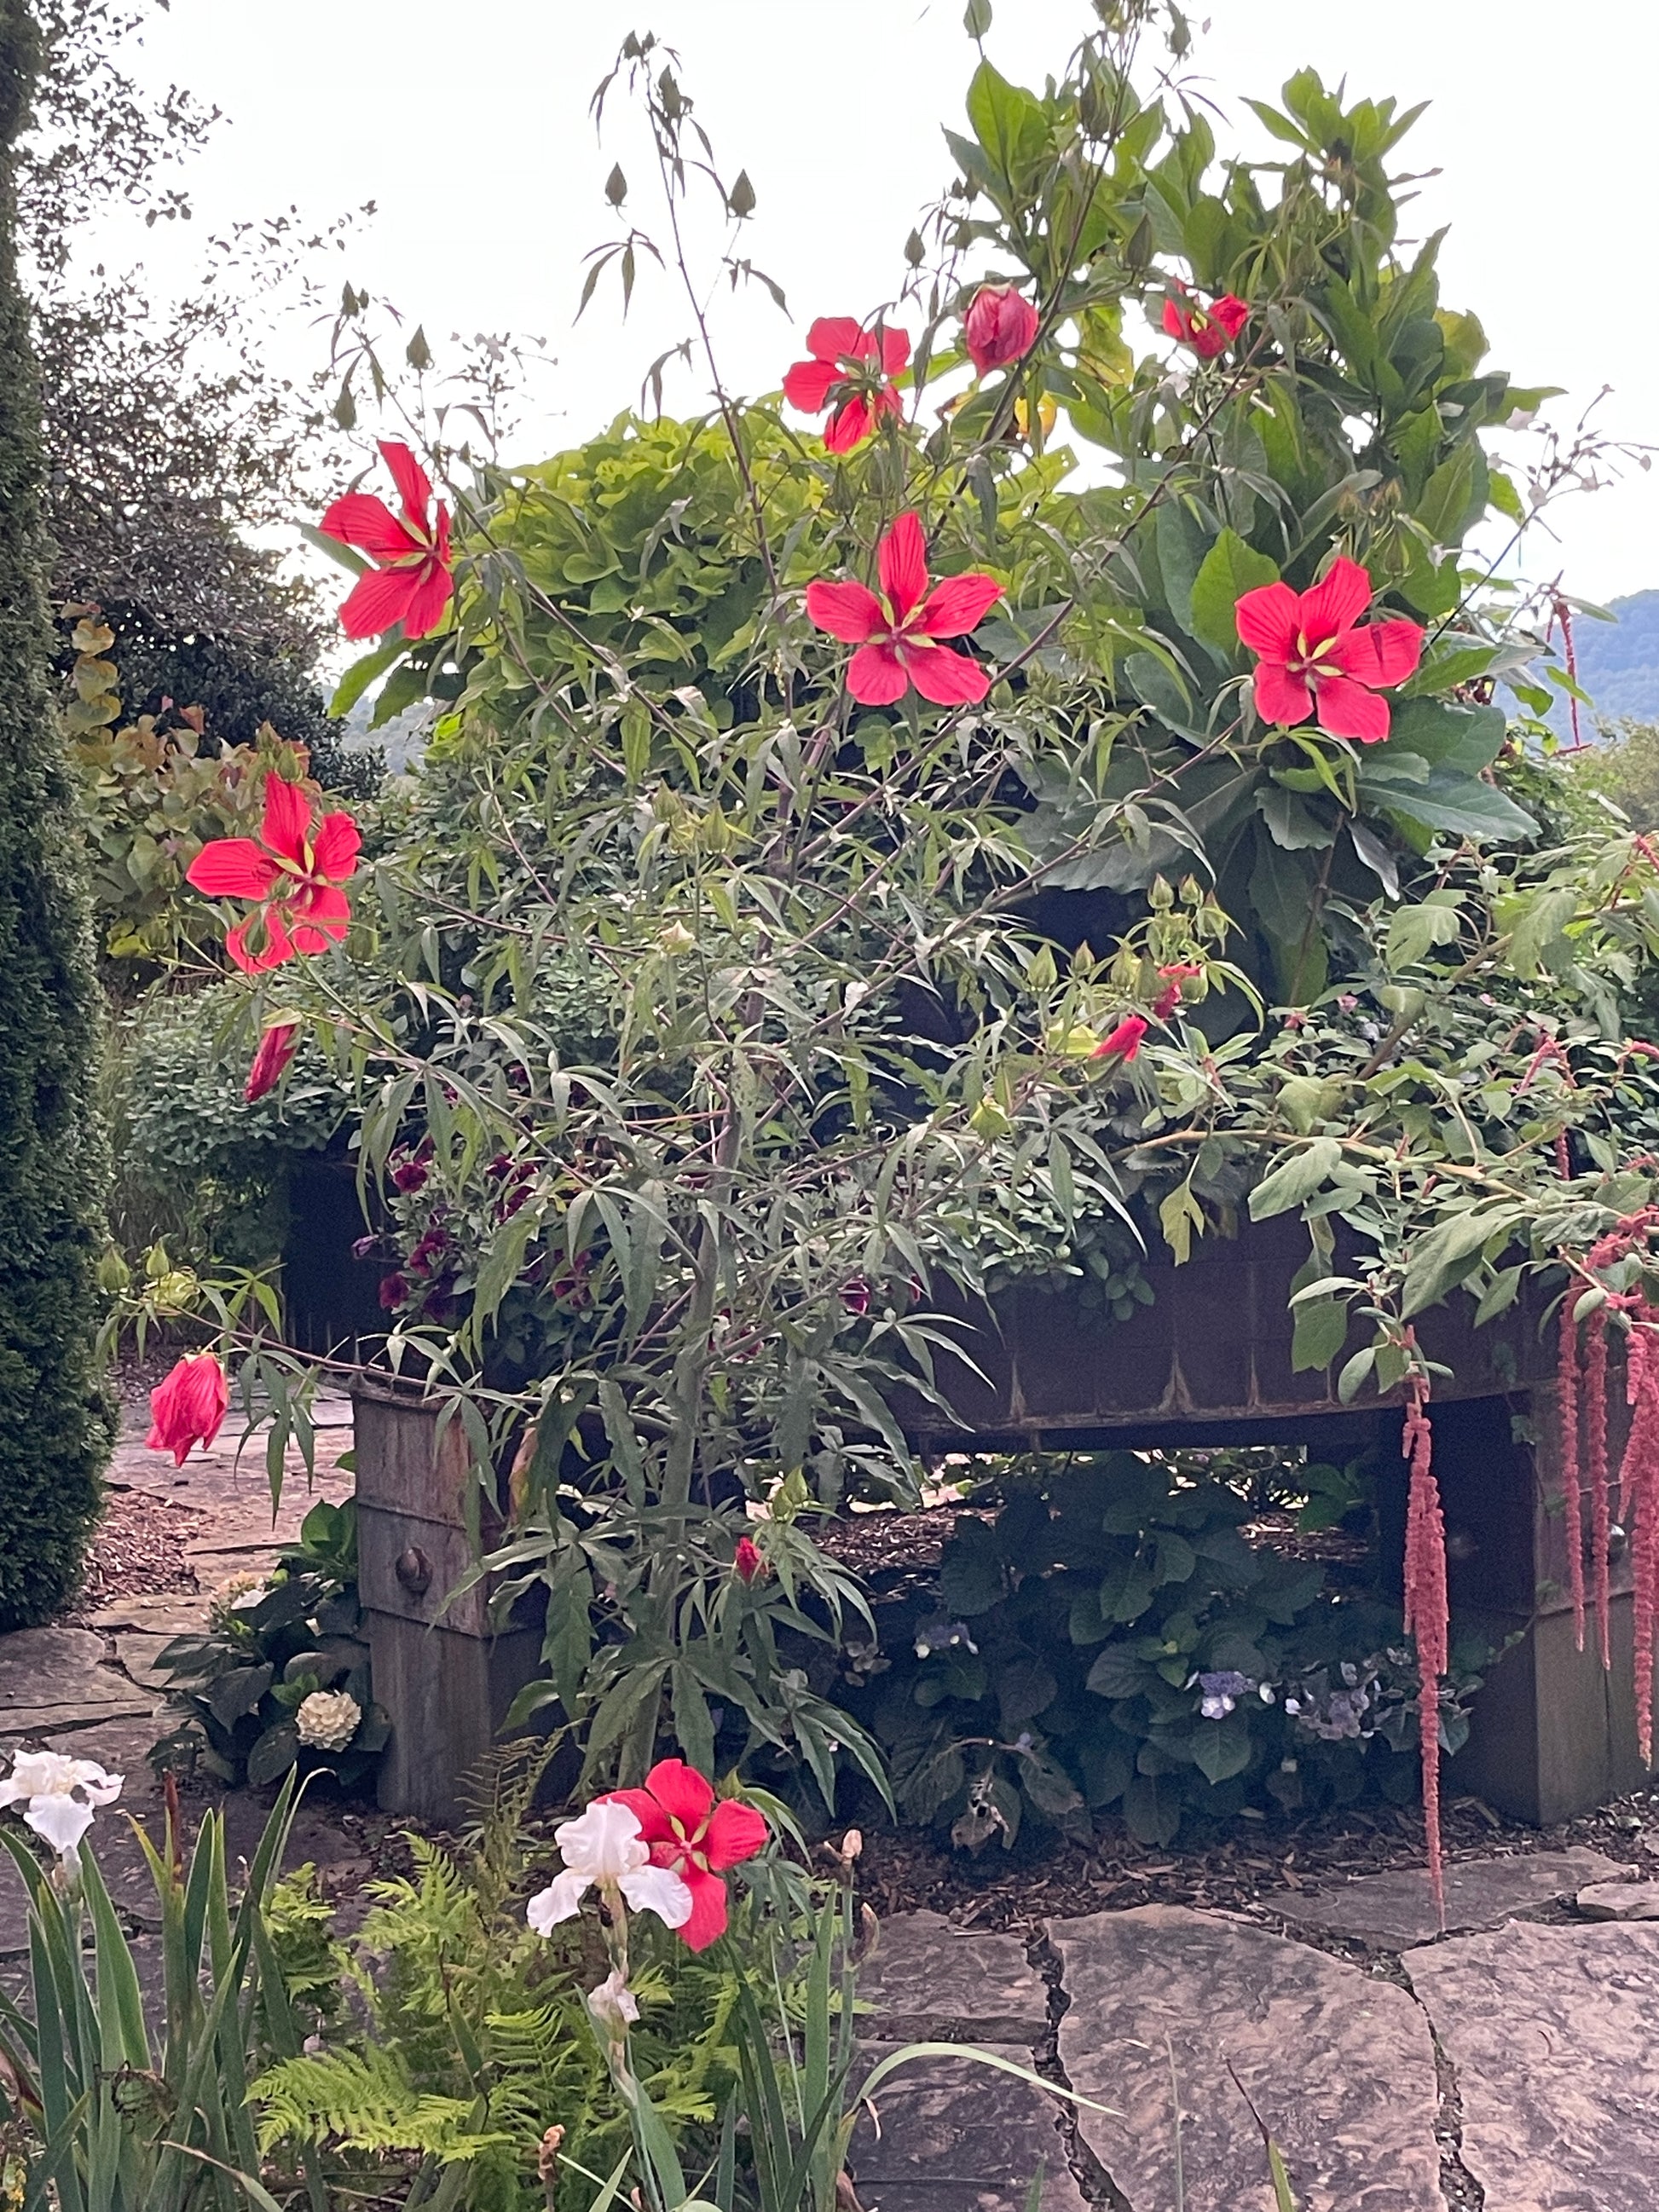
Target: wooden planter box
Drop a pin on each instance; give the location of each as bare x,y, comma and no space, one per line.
443,1674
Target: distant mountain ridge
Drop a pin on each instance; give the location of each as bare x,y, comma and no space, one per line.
1618,666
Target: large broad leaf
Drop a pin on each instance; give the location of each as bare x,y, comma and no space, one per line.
1009,125
1456,744
1230,568
1307,1169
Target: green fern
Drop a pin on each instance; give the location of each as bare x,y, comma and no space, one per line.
363,2100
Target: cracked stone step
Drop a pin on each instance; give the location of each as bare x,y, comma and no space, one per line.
1392,1912
1340,2064
952,2135
930,1981
1619,1900
1552,2032
52,1679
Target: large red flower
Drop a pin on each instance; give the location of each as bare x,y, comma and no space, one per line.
1312,658
696,1834
1208,331
1000,327
1124,1042
412,582
295,877
852,369
897,634
188,1407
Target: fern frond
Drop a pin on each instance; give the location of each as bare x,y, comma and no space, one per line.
363,2100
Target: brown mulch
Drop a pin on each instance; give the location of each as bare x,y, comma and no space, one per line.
903,1869
138,1550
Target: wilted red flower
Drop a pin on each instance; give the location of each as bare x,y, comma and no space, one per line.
1123,1042
412,583
294,875
275,1050
999,327
187,1407
1172,978
696,1835
747,1563
852,369
394,1293
1208,331
410,1174
898,634
1311,659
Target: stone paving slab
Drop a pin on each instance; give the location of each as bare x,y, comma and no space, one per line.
1391,1912
52,1679
1554,2033
950,2135
1619,1900
928,1980
1340,2064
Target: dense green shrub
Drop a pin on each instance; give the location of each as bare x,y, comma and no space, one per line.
54,1423
1112,1642
197,1163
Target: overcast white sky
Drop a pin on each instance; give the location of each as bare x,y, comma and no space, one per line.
468,124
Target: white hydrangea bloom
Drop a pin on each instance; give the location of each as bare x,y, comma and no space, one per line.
59,1797
327,1720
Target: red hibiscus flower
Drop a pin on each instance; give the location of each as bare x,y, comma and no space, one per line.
1312,658
851,369
1123,1042
412,582
275,1050
897,635
747,1563
295,877
189,1406
697,1835
999,328
1208,331
1172,978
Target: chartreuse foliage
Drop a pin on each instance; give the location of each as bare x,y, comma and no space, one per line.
717,1032
54,1424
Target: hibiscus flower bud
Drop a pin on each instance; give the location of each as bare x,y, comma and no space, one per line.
1123,1042
747,1563
275,1050
188,1407
999,327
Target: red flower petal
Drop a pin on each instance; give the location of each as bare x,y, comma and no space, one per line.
949,679
427,602
276,947
362,520
1231,313
654,1821
335,852
848,426
901,563
376,601
287,819
275,1050
1348,710
1336,602
835,337
188,1406
1267,620
1207,338
1281,697
1123,1042
414,485
735,1833
1380,654
851,612
231,867
708,1908
876,675
807,385
684,1794
958,604
1177,321
895,352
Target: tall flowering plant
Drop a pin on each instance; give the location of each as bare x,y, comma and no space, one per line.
855,868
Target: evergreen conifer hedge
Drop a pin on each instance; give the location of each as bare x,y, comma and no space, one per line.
54,1419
